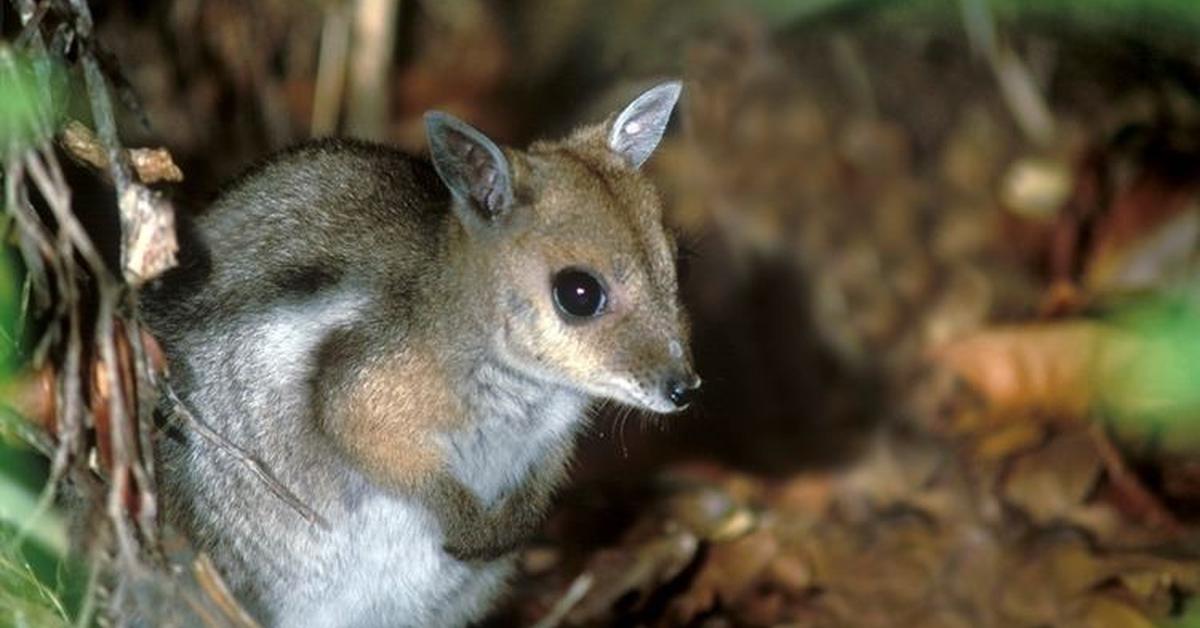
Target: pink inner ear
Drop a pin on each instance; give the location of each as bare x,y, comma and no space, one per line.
483,179
482,176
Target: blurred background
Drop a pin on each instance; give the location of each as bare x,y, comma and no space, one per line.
941,258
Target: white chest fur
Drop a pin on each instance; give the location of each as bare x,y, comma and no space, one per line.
382,566
380,562
516,426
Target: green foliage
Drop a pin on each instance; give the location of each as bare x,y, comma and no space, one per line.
10,309
784,12
1156,389
39,584
1152,9
1189,619
1101,15
36,584
1146,20
25,600
31,98
29,569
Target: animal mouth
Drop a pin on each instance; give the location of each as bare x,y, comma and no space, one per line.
634,396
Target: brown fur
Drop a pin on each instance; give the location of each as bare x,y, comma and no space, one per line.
393,408
384,333
581,206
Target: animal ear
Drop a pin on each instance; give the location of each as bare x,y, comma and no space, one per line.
637,130
472,166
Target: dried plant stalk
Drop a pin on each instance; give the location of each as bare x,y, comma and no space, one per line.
97,384
151,165
96,369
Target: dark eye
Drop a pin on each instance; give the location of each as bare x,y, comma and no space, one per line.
578,293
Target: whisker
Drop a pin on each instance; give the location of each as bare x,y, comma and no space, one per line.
594,412
651,418
623,419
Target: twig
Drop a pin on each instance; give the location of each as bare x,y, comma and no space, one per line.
35,243
211,583
43,505
43,169
69,395
1130,487
848,61
151,165
101,104
565,604
374,39
84,620
19,425
76,266
331,69
144,383
254,465
31,19
124,464
1017,85
147,221
47,175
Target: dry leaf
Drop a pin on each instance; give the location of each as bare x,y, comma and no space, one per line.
151,165
31,395
150,245
1151,229
729,572
626,577
1051,483
1008,440
1036,187
1040,367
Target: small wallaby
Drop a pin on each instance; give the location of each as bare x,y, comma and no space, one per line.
411,348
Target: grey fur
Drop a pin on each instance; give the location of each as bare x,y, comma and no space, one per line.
332,259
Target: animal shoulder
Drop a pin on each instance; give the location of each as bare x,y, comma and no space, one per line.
332,206
333,185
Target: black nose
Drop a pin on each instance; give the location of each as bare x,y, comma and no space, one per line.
682,390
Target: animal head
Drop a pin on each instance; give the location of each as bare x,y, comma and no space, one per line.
572,255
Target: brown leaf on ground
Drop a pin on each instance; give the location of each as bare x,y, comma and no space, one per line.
1009,439
1044,582
1152,228
711,502
1128,492
1041,367
1106,612
626,577
1052,484
1181,479
1057,371
729,572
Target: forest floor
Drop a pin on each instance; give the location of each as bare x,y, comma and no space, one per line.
942,272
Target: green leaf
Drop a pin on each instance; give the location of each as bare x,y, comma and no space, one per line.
31,98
